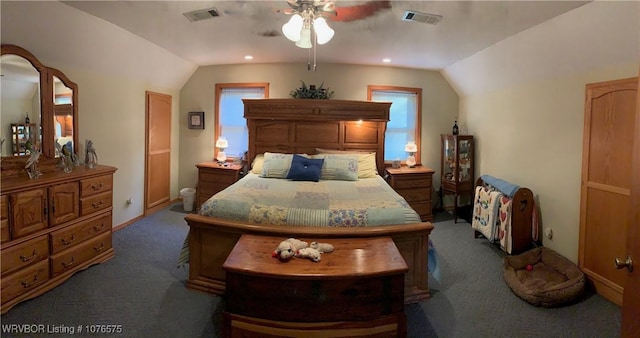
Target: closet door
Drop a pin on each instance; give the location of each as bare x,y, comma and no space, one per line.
631,301
606,183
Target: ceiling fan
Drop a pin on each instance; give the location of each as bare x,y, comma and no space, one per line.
333,13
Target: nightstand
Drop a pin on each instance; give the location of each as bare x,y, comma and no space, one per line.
213,178
414,184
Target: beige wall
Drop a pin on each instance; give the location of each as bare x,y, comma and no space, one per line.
523,100
440,102
111,112
531,135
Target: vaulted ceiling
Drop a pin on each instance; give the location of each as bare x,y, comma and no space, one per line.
365,31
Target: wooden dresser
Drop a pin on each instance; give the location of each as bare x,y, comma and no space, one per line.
414,184
213,178
52,227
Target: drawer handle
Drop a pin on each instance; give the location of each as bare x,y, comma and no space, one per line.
100,248
98,228
65,242
96,187
27,284
26,259
97,205
69,264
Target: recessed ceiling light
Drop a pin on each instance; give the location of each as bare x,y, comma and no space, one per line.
386,60
248,57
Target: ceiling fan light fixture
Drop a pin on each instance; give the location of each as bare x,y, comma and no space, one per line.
292,29
305,38
324,33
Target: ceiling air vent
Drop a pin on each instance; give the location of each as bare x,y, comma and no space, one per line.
202,14
432,19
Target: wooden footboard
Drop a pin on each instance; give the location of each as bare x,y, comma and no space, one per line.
212,239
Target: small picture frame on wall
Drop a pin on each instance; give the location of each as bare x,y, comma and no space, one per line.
196,120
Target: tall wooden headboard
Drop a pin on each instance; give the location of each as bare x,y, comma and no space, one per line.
302,125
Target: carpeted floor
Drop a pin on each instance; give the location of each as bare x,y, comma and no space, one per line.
142,290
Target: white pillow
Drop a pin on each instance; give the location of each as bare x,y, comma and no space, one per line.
366,161
341,167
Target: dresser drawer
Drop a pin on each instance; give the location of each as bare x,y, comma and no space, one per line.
24,254
5,236
96,185
69,259
420,194
218,176
210,189
89,205
24,280
413,182
78,233
423,209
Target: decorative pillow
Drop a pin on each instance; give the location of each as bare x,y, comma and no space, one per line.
276,165
366,160
340,167
305,169
256,166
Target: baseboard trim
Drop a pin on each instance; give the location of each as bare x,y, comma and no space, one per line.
127,223
135,219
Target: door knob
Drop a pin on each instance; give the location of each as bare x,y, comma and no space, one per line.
628,263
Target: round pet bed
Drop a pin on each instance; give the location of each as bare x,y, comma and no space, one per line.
544,278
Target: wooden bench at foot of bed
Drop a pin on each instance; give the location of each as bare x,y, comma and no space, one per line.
212,239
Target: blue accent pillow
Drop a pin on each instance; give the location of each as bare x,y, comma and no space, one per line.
305,169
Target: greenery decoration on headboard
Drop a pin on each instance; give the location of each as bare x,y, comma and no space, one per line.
311,92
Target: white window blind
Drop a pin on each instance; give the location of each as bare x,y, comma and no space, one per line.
233,125
401,127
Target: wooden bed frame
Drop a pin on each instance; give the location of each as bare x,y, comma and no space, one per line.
301,126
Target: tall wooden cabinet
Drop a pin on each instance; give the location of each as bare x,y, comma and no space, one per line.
606,183
23,136
52,227
456,167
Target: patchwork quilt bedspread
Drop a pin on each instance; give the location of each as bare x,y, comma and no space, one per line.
327,203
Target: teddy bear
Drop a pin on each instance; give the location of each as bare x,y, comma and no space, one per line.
322,247
288,248
310,253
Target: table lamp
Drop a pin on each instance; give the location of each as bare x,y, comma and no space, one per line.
411,148
221,144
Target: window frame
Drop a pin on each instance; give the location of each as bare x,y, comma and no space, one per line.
418,129
219,88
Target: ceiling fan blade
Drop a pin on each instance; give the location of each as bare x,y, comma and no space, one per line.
359,12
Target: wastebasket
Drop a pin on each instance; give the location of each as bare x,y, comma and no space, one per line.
188,195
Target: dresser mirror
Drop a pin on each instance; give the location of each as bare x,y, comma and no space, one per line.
64,103
49,99
21,104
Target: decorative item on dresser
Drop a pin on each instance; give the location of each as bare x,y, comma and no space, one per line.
53,227
57,223
456,168
414,184
213,177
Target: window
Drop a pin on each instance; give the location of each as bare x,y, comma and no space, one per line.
404,118
229,113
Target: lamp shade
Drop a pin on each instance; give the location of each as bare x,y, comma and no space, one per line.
411,147
291,29
222,143
323,31
305,38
